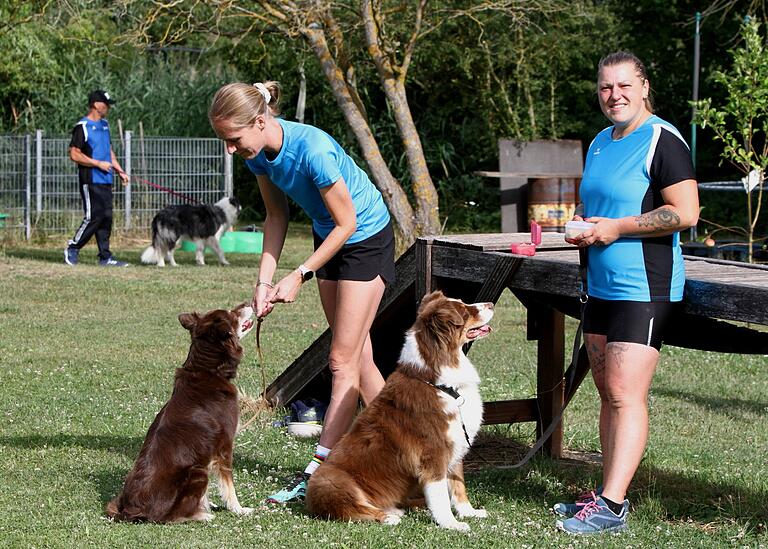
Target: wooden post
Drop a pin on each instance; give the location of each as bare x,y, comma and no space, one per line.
549,378
424,282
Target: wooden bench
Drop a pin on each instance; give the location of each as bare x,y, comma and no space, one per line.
478,267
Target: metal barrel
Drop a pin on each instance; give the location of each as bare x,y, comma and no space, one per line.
552,201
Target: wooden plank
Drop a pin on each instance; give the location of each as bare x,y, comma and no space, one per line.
549,376
510,411
556,272
527,175
423,267
500,241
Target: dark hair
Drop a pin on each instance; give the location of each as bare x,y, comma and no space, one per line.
621,57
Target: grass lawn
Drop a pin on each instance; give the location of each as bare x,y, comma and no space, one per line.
88,358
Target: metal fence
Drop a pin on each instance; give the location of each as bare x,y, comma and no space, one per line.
39,185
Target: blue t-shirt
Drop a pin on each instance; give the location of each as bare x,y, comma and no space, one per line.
624,177
309,160
92,138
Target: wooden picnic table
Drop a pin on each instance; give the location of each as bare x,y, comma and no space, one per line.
479,267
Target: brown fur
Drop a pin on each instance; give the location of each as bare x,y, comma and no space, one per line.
192,434
399,443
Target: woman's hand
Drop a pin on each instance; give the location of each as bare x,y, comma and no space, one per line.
262,300
288,288
576,241
605,231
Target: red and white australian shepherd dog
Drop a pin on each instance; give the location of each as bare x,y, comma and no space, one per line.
412,438
194,432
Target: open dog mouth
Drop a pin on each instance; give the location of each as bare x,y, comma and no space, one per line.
478,332
247,325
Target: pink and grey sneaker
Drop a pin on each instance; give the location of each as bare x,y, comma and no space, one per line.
595,517
567,510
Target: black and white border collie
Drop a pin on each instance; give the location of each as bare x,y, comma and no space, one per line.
203,224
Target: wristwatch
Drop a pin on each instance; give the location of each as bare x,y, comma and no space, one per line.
305,273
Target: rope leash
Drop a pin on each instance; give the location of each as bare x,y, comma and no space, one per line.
263,403
160,187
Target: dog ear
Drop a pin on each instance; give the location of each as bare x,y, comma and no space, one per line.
189,320
429,298
448,317
221,328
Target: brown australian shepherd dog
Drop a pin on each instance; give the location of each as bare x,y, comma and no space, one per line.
412,438
193,434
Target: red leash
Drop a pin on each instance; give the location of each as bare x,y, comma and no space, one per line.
160,187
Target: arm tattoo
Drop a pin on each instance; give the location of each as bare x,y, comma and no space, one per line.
660,219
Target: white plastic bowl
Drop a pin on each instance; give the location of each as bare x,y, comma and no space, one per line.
304,430
575,228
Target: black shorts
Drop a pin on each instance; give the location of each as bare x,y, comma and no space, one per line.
364,260
628,321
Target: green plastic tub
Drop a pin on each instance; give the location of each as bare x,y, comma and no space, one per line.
241,242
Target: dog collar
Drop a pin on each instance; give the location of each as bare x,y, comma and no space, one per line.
456,395
444,388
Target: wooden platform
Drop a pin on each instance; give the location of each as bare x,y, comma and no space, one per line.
478,267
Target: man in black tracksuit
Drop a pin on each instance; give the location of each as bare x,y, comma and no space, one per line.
91,150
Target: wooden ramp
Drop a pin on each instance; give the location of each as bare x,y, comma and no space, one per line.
308,376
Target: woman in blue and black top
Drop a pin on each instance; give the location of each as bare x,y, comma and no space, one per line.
639,189
353,237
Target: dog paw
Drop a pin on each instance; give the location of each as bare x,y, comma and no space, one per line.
205,517
460,526
243,510
225,262
392,519
471,512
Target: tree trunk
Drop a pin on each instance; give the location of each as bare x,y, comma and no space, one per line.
392,77
394,196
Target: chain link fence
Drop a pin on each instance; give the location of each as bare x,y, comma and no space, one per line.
39,185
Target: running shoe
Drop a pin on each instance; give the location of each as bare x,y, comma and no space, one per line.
595,518
71,256
112,262
567,510
295,491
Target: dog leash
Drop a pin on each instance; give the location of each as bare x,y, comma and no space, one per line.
260,354
160,187
583,298
259,321
450,391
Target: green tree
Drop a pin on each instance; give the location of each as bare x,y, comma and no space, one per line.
346,38
741,123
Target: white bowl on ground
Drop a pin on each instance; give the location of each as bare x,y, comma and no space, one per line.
304,430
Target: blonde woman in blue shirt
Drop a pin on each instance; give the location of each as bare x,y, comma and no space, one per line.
353,256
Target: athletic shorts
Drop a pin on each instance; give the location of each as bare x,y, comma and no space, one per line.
364,260
628,321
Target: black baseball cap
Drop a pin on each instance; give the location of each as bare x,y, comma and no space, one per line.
100,95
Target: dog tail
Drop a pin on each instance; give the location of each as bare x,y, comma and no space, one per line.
150,255
333,494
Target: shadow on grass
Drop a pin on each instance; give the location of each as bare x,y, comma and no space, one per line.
89,257
118,444
731,407
50,255
109,481
680,496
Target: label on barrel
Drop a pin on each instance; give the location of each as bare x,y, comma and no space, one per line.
551,215
552,201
